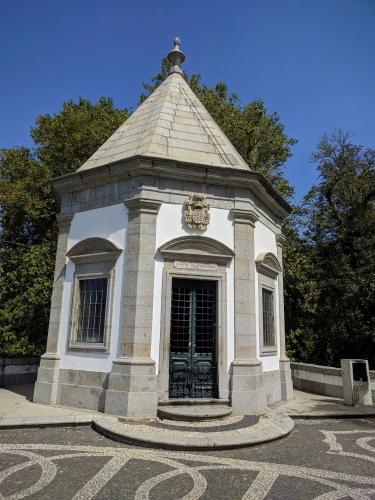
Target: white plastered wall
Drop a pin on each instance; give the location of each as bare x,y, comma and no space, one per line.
169,226
265,241
109,223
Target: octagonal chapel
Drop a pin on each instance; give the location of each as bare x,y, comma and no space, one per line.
168,282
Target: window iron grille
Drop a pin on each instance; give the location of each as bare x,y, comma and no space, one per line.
91,310
268,318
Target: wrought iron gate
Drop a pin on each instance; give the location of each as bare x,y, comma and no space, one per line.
192,366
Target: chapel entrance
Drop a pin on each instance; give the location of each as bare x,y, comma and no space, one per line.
192,366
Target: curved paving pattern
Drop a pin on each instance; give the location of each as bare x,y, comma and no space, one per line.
259,480
321,460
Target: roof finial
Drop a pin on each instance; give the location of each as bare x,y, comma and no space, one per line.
176,57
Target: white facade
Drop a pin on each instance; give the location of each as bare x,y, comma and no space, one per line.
110,223
265,241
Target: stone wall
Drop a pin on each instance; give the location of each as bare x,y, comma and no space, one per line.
323,380
82,389
17,371
271,386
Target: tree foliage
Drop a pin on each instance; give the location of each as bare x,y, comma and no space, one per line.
339,248
66,140
26,251
27,215
301,290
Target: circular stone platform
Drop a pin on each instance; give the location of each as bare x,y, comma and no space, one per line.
194,413
229,432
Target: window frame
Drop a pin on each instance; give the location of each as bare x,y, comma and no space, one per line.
93,259
267,283
73,342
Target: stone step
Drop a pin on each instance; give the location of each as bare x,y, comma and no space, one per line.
229,433
194,413
193,401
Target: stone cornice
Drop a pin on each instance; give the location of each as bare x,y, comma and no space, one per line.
151,167
243,216
196,249
53,356
267,264
280,240
94,250
144,205
96,257
64,221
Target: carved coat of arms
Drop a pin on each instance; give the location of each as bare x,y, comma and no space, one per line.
197,211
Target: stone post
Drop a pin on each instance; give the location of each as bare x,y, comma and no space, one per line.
356,382
132,387
48,373
284,364
247,395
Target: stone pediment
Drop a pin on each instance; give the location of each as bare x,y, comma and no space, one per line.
196,248
267,263
93,249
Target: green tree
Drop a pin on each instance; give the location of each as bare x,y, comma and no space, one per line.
340,236
301,290
26,251
66,140
27,215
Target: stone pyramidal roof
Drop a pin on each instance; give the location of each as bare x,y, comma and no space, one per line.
171,124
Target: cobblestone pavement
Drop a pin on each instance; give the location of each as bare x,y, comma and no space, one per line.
321,459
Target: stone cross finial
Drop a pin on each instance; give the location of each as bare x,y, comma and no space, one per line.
176,57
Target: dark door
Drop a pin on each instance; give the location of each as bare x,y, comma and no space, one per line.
192,367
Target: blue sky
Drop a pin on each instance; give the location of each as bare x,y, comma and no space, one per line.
311,61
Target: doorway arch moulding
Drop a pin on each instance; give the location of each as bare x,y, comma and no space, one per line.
205,259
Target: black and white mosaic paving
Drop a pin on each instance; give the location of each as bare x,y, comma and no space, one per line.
320,459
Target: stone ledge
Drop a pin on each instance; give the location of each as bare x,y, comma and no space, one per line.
271,426
352,412
323,370
193,413
193,401
18,371
25,422
19,361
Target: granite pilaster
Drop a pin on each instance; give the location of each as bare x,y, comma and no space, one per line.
132,388
284,363
247,394
48,373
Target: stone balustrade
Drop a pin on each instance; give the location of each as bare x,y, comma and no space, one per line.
17,371
325,380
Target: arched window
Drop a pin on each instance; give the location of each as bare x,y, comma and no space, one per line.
268,268
94,260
